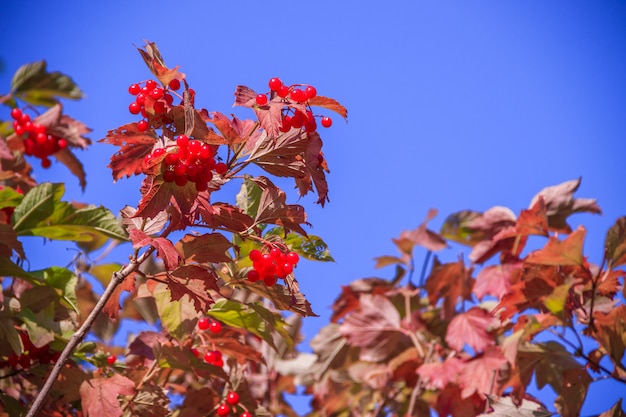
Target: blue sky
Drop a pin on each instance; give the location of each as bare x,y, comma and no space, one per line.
452,105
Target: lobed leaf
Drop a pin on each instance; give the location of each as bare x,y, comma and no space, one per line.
615,243
35,85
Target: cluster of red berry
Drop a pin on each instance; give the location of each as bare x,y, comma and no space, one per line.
205,323
38,141
271,266
230,405
153,97
214,356
189,160
31,354
294,118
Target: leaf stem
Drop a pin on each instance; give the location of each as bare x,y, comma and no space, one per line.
80,334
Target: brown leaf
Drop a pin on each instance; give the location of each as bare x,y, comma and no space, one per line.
610,331
274,210
496,280
164,247
134,146
560,204
210,247
67,158
568,251
375,328
112,306
615,242
193,281
225,215
449,282
153,59
330,104
99,396
472,328
421,236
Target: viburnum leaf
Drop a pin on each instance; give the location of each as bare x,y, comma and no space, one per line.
153,59
112,307
479,374
225,215
67,158
134,146
233,130
99,396
568,251
283,297
269,115
42,213
279,155
560,204
505,407
9,242
192,122
610,331
449,282
615,243
375,328
310,247
472,328
172,356
274,210
35,85
456,227
164,247
316,167
348,300
330,104
177,316
209,247
252,317
421,236
150,226
150,401
193,281
496,280
13,342
437,375
64,126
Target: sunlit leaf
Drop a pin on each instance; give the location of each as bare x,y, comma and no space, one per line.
35,85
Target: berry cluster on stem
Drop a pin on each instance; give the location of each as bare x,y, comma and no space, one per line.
291,117
152,101
37,142
271,266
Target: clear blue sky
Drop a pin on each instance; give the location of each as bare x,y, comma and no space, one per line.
452,105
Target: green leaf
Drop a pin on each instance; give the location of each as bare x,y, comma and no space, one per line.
35,85
178,317
63,280
249,197
9,197
555,302
457,228
42,213
311,247
252,317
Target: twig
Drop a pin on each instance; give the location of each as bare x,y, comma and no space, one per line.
80,334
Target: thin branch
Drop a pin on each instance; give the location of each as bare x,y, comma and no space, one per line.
80,334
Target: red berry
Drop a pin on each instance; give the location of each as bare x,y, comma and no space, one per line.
201,186
269,280
62,143
310,126
255,255
134,89
174,84
182,141
286,124
159,107
297,95
223,410
142,125
156,93
327,121
275,253
111,359
151,85
297,120
245,414
221,168
195,352
181,181
134,108
293,258
310,92
275,84
261,99
45,163
204,323
16,113
253,275
232,398
283,91
141,99
215,327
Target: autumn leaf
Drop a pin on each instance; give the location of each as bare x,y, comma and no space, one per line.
568,251
178,317
560,204
479,375
274,210
225,215
450,282
316,167
153,59
437,375
610,331
209,247
112,306
134,146
330,104
99,396
284,297
164,247
496,280
472,328
505,407
193,281
348,300
615,243
375,328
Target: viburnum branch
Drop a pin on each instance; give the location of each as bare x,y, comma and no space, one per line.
418,385
80,334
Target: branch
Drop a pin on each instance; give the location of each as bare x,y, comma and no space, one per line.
80,334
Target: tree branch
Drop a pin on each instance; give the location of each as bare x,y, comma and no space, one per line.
80,334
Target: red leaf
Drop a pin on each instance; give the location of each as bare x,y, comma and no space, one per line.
496,280
560,204
330,104
348,300
112,306
225,215
480,374
437,375
134,146
193,281
421,236
615,242
233,131
471,328
99,397
274,210
556,252
449,282
165,248
610,331
375,328
210,247
153,59
67,158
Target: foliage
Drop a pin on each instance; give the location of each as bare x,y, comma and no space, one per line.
217,280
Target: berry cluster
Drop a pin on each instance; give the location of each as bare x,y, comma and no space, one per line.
271,266
188,161
31,355
214,357
293,118
38,141
153,97
230,405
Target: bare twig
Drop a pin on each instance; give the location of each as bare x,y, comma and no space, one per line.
80,334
